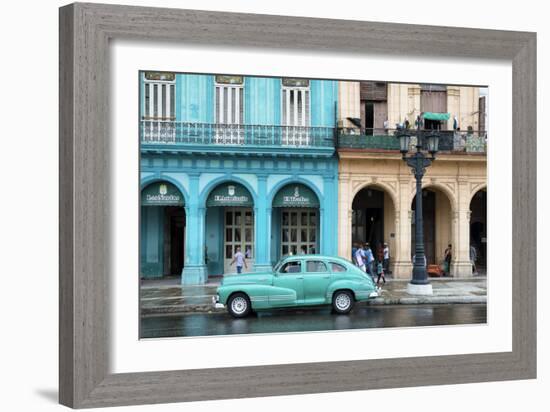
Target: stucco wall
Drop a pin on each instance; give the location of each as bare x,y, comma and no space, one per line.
454,178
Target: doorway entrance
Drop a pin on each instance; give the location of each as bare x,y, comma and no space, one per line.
478,230
229,224
174,240
428,217
298,231
367,221
238,232
437,218
295,222
162,230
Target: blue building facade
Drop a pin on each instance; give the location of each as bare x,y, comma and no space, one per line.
233,162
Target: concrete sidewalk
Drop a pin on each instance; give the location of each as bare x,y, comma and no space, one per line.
167,296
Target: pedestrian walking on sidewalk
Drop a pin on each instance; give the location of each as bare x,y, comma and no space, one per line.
379,253
360,258
240,260
353,252
380,273
447,260
473,258
386,260
369,261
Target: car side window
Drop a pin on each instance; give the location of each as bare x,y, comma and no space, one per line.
336,267
291,267
315,266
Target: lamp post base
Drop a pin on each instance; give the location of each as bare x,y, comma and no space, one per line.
413,289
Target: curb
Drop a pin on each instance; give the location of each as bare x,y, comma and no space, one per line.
180,310
426,300
439,300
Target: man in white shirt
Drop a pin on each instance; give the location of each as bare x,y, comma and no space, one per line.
369,260
360,258
386,261
239,259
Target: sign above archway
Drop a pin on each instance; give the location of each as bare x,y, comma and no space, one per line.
295,195
161,194
230,194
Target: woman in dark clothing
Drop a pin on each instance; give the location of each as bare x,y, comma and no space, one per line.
447,259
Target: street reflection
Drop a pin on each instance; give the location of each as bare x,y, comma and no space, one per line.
308,320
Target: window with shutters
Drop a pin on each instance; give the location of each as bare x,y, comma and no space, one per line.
433,98
295,111
159,112
229,110
159,96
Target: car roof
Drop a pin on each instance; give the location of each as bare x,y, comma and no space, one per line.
336,259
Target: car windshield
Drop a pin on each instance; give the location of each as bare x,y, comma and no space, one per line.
278,266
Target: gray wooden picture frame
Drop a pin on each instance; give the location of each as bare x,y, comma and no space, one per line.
85,32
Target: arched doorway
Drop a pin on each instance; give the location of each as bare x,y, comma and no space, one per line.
162,230
373,219
295,221
437,219
478,230
229,225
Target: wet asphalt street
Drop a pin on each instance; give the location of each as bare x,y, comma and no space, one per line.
314,319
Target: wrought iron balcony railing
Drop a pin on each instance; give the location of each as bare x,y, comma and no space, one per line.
470,141
168,132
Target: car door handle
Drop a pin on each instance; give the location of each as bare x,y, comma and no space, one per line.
299,277
326,277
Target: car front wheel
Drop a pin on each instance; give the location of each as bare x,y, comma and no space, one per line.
238,305
342,302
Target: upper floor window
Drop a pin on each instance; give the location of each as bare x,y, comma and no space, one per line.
433,98
159,96
295,104
229,99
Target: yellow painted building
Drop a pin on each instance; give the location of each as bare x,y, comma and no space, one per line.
377,188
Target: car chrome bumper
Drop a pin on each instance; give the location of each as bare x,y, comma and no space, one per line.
374,295
216,303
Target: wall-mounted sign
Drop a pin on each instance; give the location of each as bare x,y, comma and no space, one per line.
225,79
295,195
160,76
290,82
161,194
230,194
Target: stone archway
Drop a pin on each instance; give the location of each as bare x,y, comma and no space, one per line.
373,219
229,226
478,231
295,220
438,226
162,230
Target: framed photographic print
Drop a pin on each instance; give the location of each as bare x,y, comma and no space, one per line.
257,205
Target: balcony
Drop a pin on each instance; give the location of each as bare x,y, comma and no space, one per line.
383,140
170,136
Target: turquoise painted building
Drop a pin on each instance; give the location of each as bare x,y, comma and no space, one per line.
233,162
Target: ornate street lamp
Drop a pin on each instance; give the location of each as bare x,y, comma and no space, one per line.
418,161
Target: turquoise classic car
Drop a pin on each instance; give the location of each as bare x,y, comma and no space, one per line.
303,280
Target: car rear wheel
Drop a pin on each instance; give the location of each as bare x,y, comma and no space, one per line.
238,305
342,301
